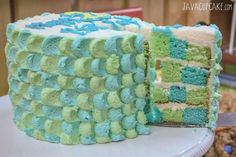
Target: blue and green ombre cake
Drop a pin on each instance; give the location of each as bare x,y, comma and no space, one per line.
77,78
187,63
91,78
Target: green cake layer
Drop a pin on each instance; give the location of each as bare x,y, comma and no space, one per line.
186,92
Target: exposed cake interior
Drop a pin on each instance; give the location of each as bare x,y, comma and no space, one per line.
186,62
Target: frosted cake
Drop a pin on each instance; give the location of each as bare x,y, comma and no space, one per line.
94,78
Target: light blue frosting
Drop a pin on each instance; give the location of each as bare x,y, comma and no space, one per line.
112,45
139,43
22,74
115,114
51,138
25,105
22,38
98,67
81,85
112,82
80,47
102,129
52,112
17,114
66,66
10,28
152,74
139,76
50,45
49,80
142,129
70,128
87,140
33,62
127,95
100,101
85,116
14,84
12,54
127,63
38,122
117,137
35,92
69,97
129,122
140,103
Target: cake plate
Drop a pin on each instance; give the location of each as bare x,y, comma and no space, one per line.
163,142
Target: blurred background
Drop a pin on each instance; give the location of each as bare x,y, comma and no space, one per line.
160,12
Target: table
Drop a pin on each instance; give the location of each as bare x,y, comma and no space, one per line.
163,142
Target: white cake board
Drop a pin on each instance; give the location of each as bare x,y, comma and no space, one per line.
163,142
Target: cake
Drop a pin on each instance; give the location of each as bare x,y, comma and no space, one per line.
187,63
91,78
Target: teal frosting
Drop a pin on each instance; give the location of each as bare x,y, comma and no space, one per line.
129,122
81,85
98,67
14,84
152,74
29,131
140,103
17,114
115,114
102,129
117,137
142,129
49,80
33,62
51,138
139,41
127,63
25,105
52,112
22,38
197,116
100,101
112,82
139,76
127,95
10,28
154,115
87,140
112,45
69,97
66,66
35,92
70,128
12,54
85,116
50,45
80,47
22,74
38,122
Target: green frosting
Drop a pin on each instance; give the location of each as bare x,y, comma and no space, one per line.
83,66
14,36
69,139
33,77
36,108
114,100
97,83
49,64
50,96
141,117
96,48
38,134
84,101
85,129
52,126
69,114
65,82
112,64
127,80
34,43
131,133
140,61
116,127
21,58
140,91
128,109
127,43
103,139
99,115
65,46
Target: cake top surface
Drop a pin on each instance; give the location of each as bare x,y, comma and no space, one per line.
74,24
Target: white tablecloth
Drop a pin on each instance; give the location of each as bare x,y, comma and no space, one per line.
163,142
